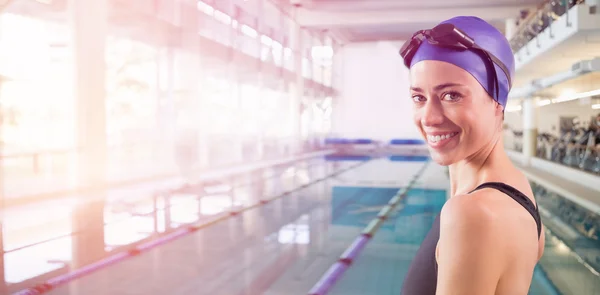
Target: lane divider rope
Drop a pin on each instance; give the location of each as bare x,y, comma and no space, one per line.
178,233
335,272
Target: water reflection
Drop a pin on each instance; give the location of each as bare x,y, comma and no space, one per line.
128,231
571,257
297,232
37,260
134,216
212,205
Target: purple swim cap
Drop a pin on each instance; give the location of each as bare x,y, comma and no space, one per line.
488,38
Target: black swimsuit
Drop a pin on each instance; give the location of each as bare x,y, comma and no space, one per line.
421,278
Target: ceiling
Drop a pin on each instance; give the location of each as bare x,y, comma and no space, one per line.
376,20
373,20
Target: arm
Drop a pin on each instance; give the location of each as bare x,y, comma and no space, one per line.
471,255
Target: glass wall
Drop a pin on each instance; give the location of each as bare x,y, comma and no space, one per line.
187,90
232,91
35,94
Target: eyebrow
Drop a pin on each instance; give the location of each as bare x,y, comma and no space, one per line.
437,87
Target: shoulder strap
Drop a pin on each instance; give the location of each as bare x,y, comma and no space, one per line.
517,196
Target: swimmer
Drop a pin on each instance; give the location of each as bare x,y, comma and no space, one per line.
488,237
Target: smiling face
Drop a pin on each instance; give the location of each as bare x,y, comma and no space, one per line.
453,112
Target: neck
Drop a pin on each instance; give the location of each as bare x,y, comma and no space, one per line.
465,175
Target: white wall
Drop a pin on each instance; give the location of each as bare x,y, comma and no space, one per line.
548,116
374,97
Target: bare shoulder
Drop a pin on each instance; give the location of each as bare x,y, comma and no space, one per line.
472,256
486,238
491,219
488,209
473,215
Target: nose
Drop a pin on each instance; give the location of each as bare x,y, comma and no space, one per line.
432,114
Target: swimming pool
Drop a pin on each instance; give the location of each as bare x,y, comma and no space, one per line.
355,198
285,246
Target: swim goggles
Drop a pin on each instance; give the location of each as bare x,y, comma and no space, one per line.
449,36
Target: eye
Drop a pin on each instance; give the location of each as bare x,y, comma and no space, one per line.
418,98
451,96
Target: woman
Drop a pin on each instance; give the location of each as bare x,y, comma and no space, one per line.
488,237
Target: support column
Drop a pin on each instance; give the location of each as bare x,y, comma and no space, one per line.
2,123
309,95
337,77
166,111
186,71
297,88
3,285
261,28
529,130
337,68
165,136
88,24
206,69
510,28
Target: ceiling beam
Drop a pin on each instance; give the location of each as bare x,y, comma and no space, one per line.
331,19
343,5
371,37
340,36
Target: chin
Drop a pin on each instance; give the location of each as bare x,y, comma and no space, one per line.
441,159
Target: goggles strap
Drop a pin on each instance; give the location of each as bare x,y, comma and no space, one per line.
443,36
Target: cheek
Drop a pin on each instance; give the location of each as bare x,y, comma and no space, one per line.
417,119
457,117
478,128
468,122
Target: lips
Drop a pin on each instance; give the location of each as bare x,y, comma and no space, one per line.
438,140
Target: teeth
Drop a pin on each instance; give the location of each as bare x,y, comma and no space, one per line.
436,138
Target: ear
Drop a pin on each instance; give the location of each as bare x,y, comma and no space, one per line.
499,110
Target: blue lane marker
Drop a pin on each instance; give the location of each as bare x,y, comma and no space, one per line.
407,141
408,158
348,141
347,158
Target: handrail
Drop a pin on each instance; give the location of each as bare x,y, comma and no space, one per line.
70,192
541,18
524,22
34,154
524,28
68,150
123,145
580,148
